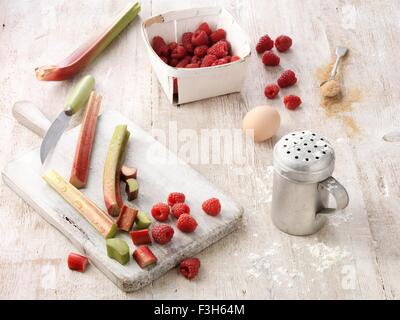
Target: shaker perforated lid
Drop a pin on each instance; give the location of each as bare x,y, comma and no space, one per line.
304,156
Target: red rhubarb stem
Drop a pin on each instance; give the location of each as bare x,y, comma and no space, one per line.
86,53
80,168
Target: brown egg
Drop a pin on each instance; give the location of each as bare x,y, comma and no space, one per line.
264,120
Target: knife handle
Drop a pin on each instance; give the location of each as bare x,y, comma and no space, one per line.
79,94
27,114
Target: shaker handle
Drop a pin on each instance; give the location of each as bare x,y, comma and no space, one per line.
338,191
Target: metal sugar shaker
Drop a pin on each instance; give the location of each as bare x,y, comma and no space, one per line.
302,182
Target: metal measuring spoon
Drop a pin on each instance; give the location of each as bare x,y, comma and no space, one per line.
340,53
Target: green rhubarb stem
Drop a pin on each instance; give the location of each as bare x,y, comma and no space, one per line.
87,208
115,154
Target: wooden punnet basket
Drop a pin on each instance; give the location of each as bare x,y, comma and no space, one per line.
199,83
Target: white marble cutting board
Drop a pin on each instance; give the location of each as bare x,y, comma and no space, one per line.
156,179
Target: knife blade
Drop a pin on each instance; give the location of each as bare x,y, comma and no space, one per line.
78,95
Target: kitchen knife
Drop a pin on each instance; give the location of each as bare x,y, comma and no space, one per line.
76,98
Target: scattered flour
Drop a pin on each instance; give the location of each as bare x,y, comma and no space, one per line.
339,218
324,257
261,267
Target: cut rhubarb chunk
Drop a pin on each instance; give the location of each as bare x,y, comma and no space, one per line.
128,173
144,256
132,189
112,167
126,218
80,168
142,220
87,208
140,236
118,249
77,262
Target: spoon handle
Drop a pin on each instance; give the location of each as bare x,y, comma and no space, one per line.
335,67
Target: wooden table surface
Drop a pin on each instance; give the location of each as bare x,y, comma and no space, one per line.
356,255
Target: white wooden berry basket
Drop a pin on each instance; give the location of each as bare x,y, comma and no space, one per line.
199,83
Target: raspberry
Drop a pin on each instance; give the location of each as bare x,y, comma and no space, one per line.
183,62
212,206
208,60
219,49
162,233
287,79
271,91
160,211
192,65
159,46
186,223
200,51
189,268
173,62
222,61
200,38
283,43
178,53
175,197
205,27
291,102
172,46
265,43
196,59
235,58
180,208
187,41
217,35
270,59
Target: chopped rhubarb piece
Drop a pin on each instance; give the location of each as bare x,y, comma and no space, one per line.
126,218
80,168
132,189
77,262
144,256
118,249
142,220
140,236
128,173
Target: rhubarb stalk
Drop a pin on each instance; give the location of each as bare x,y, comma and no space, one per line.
85,54
87,208
80,168
112,167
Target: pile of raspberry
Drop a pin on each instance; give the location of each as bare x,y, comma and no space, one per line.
199,49
163,233
271,59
